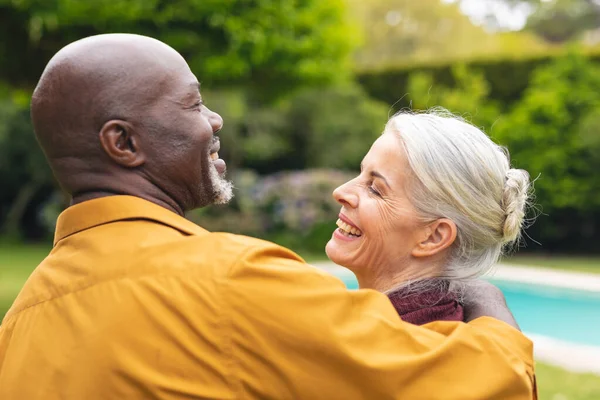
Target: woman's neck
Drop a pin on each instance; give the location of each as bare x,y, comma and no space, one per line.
391,278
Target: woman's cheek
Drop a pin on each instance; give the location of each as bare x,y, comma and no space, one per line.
387,217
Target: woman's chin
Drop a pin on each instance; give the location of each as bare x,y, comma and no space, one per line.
330,251
337,254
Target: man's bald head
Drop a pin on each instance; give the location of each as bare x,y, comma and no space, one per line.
118,108
94,80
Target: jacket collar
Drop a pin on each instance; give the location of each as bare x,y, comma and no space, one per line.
104,210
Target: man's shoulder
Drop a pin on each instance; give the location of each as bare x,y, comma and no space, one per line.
217,251
229,245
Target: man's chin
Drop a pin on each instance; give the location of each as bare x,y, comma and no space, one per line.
222,188
225,195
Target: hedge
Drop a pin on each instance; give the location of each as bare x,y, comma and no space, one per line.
507,77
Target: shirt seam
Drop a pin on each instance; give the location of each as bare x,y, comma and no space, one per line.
95,284
132,219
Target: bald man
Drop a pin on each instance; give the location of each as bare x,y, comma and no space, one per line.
136,302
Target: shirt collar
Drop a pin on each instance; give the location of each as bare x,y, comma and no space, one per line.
91,213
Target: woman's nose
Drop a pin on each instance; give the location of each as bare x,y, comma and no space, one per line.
346,196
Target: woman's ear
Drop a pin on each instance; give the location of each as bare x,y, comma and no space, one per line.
437,236
121,143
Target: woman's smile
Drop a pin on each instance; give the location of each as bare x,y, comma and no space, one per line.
347,230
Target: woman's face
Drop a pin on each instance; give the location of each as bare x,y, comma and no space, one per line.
378,227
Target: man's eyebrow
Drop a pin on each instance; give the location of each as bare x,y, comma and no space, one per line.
378,175
191,94
193,88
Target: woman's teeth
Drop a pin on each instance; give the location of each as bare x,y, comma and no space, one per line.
347,229
214,156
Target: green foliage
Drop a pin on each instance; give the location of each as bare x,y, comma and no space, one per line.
468,98
563,20
507,77
408,31
23,169
334,127
252,132
272,46
329,127
552,133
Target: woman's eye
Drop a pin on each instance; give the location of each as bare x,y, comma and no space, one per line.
375,192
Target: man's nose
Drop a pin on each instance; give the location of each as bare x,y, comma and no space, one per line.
346,195
215,120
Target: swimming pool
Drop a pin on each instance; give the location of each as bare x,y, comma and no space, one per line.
561,313
565,314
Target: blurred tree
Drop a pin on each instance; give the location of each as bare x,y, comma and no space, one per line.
23,169
328,127
271,45
553,133
402,30
468,97
562,20
556,21
499,15
334,128
406,31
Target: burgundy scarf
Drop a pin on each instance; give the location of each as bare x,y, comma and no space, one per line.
436,304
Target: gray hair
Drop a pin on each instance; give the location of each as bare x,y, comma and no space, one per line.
462,175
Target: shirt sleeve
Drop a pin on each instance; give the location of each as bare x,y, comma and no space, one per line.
298,333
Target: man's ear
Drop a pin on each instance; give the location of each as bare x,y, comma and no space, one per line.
121,143
437,236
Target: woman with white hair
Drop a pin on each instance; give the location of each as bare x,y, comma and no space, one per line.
434,206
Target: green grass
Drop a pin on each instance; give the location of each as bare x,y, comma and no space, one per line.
17,262
557,384
565,263
313,256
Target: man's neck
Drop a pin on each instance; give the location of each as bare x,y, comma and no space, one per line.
165,202
89,185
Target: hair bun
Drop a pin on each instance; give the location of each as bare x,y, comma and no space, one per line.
514,203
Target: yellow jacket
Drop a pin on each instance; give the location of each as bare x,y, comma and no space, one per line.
136,302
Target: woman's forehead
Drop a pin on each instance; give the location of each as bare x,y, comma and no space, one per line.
387,157
386,151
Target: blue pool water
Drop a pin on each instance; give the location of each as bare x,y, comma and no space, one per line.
561,313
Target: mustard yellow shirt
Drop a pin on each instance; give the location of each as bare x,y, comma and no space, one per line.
136,302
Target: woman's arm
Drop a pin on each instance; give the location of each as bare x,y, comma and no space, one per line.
482,299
